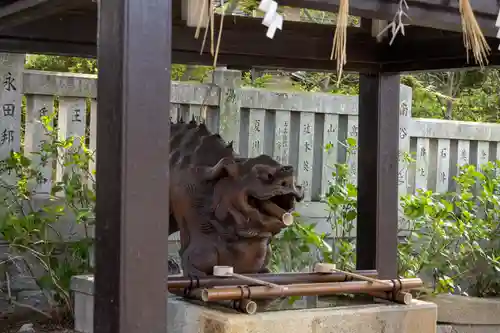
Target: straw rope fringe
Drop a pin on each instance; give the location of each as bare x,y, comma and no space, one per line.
203,10
473,36
210,26
340,38
219,37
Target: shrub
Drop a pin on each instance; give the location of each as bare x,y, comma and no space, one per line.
455,236
453,240
30,224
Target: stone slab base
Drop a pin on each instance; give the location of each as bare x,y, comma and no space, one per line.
82,287
418,317
186,317
444,329
455,328
461,314
462,310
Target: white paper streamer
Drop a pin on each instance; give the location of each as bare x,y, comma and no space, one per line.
272,20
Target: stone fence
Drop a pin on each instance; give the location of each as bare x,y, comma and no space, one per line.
293,127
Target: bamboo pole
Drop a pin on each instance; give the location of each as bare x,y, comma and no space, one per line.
401,297
328,268
258,292
278,278
228,271
244,305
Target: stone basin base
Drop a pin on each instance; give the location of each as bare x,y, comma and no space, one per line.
187,317
467,314
418,317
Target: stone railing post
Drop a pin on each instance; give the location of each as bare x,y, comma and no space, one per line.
11,80
404,148
229,81
38,106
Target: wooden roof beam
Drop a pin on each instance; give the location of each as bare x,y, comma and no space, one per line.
409,54
436,14
243,43
187,52
301,46
24,11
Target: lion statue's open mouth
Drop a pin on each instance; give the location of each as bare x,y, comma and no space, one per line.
260,200
276,206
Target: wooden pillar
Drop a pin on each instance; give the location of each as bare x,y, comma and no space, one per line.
377,226
134,57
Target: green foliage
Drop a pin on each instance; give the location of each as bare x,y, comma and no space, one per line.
31,224
327,82
190,73
452,239
248,6
292,249
179,72
258,82
458,95
341,199
457,234
61,64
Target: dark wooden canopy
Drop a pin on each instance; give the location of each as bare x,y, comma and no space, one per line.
138,41
69,27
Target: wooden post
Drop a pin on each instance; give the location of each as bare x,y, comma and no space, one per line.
378,150
133,132
376,242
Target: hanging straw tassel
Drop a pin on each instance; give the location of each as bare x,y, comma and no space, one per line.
340,38
210,25
212,28
211,21
473,36
221,24
203,12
